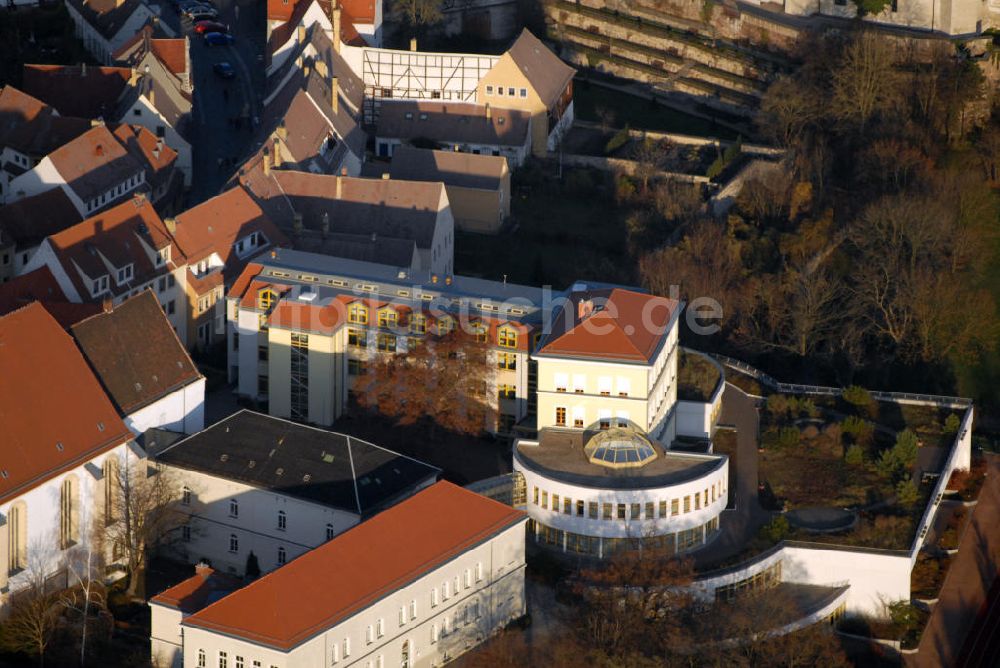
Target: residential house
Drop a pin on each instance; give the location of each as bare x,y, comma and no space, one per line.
26,222
416,585
63,447
41,286
117,254
143,366
312,110
254,484
105,25
407,224
531,78
29,131
153,91
478,186
286,23
101,168
290,305
479,129
218,237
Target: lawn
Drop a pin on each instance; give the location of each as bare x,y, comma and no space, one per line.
697,377
562,231
640,113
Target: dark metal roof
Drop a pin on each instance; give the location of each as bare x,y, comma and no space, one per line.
325,467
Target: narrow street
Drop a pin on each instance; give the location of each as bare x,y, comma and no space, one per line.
224,110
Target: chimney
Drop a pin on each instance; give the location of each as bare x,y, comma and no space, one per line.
282,131
133,78
385,176
202,569
343,171
584,308
108,305
489,112
340,187
96,122
171,224
335,95
267,161
413,44
320,66
302,34
186,78
276,155
83,69
335,22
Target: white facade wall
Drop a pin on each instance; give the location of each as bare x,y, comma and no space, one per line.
874,577
183,410
165,639
42,518
103,48
314,14
953,17
694,418
255,524
628,528
440,257
44,176
46,257
499,596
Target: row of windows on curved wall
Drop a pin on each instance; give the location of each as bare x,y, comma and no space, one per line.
595,546
648,510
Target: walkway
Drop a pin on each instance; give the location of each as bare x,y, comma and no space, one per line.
972,572
738,526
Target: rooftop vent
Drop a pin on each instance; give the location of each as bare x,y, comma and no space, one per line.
280,471
59,446
223,457
307,297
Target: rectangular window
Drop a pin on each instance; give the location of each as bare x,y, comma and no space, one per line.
489,90
561,416
387,318
621,511
555,502
524,92
697,501
561,381
510,91
434,597
357,338
650,510
402,615
674,508
663,509
507,361
592,510
387,343
347,647
357,367
239,662
262,353
606,510
370,635
479,571
357,313
579,508
687,504
567,506
545,500
223,660
535,496
413,607
634,514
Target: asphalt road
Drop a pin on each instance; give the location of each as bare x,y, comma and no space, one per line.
218,145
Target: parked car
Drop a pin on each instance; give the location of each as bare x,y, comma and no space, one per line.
199,10
202,27
224,70
218,39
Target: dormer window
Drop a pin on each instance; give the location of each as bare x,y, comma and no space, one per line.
357,313
387,317
125,274
479,331
445,325
507,337
418,323
162,256
99,286
266,299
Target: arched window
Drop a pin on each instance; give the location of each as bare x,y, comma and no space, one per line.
234,543
202,659
234,508
282,556
69,512
330,533
282,520
17,537
110,480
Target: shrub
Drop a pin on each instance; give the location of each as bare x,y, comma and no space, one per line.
715,168
788,437
808,408
906,448
860,431
778,405
860,398
776,530
619,139
951,424
887,465
907,493
855,455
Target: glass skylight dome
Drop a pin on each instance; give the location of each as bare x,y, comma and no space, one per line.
619,448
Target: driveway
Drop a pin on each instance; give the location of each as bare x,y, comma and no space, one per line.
966,586
738,526
218,145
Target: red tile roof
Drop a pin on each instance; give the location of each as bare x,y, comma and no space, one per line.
94,162
172,53
87,91
306,317
245,278
627,326
41,286
195,593
32,127
115,234
345,575
55,415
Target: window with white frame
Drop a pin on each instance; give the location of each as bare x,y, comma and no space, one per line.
468,578
202,659
402,615
380,627
125,274
413,609
186,496
282,556
330,532
479,571
282,520
561,381
434,597
624,386
223,659
604,386
234,508
370,634
234,543
347,647
434,633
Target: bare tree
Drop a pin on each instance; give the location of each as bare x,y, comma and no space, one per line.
34,607
85,565
142,514
650,156
865,81
421,12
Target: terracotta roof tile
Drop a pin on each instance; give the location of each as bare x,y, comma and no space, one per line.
55,415
306,317
243,281
194,593
135,353
27,221
38,285
86,91
452,123
626,326
32,127
345,575
94,162
172,53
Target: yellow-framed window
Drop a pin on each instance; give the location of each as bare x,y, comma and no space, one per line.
507,337
479,330
445,325
266,298
387,317
418,323
506,361
357,313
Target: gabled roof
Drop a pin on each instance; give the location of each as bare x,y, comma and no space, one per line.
548,75
616,325
54,413
389,208
320,466
86,91
206,586
286,31
135,353
152,153
32,127
344,576
41,286
215,225
452,123
106,16
118,235
94,162
27,221
453,168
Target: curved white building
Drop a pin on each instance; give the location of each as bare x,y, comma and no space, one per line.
594,493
